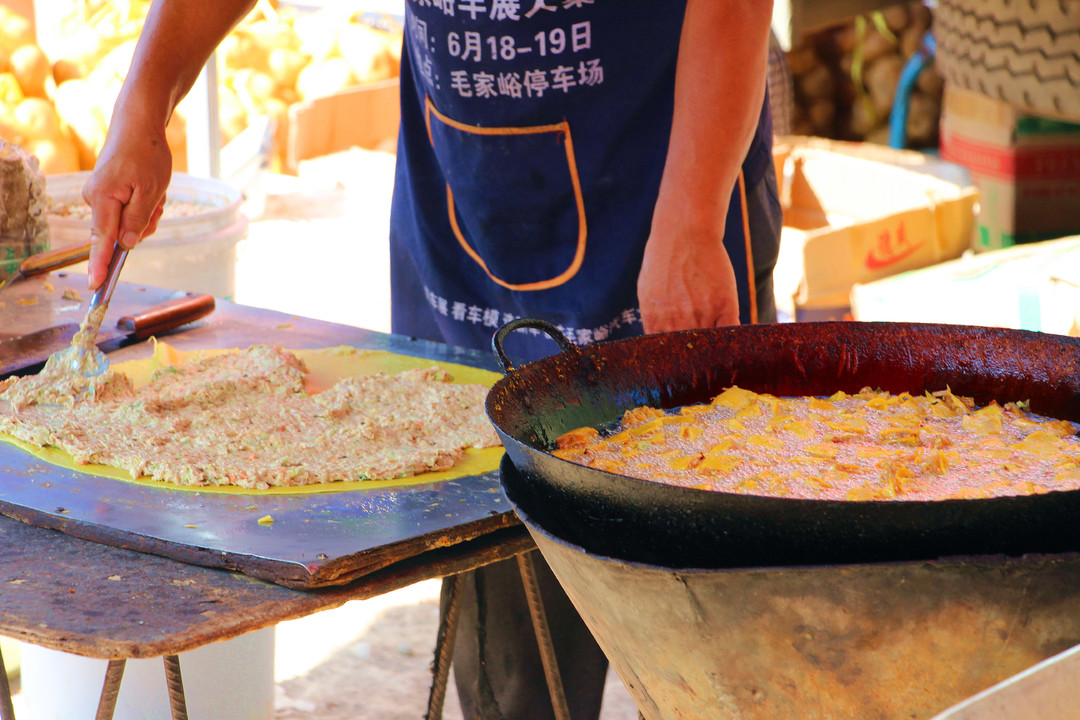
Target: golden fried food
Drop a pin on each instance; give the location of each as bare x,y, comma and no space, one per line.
872,445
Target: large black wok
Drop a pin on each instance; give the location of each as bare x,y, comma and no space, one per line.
630,519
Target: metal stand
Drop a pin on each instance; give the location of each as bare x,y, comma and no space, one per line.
110,690
448,624
114,673
543,636
7,712
444,646
175,681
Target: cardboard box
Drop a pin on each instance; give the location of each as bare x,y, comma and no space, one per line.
1027,168
1035,286
366,116
850,219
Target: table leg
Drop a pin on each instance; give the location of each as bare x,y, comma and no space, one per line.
7,710
444,646
175,681
543,636
114,673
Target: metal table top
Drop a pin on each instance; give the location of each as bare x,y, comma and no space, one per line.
315,539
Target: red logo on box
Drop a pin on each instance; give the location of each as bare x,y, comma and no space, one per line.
888,250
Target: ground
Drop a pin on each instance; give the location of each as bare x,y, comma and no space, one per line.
383,671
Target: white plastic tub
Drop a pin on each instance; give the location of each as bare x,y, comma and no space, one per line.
194,252
228,680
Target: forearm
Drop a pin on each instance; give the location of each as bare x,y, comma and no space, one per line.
719,91
126,191
177,39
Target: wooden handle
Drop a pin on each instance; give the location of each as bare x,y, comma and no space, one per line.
167,316
54,260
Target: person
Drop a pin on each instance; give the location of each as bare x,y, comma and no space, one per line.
605,166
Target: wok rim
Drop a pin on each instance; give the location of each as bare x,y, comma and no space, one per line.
593,502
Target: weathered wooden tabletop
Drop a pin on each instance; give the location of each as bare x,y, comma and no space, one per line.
86,598
130,597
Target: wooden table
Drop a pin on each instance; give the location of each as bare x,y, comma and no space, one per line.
78,596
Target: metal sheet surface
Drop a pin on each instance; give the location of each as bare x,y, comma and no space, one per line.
315,539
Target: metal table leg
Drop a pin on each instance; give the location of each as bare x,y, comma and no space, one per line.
175,681
444,646
7,710
448,624
543,636
114,673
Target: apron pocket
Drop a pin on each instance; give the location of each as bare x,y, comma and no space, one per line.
514,199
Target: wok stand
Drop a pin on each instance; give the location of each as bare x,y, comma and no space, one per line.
875,640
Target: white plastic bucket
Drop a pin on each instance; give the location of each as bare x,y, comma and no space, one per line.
233,679
195,252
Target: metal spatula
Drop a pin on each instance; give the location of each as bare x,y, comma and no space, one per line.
83,356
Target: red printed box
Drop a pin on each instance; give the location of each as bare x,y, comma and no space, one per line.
852,217
1027,168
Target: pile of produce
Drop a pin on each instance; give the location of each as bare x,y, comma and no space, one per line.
28,116
846,78
58,107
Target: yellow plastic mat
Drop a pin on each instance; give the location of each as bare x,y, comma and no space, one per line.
326,366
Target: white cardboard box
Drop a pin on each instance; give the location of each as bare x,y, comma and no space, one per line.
1035,286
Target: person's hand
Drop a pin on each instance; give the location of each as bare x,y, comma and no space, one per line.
126,191
686,279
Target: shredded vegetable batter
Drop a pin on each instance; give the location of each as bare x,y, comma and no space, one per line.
69,375
868,446
243,418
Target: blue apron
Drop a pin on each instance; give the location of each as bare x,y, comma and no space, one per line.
532,142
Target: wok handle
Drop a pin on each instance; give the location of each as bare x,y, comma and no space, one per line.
543,325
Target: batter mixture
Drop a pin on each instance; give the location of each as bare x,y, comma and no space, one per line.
244,418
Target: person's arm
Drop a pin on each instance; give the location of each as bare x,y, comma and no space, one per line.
686,279
126,191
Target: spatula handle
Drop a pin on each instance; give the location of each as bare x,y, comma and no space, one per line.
54,260
167,316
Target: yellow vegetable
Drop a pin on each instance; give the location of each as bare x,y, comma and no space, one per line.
31,68
284,65
365,50
11,93
36,119
324,77
318,31
55,155
15,30
81,118
252,88
241,51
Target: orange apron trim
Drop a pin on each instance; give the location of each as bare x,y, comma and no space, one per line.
562,128
751,276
